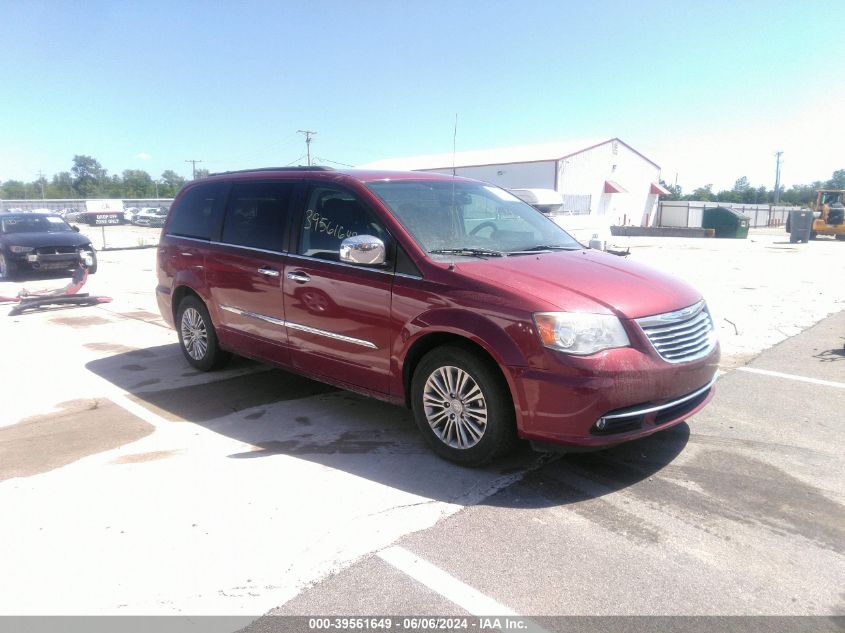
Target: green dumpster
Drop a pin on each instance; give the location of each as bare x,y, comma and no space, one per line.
726,222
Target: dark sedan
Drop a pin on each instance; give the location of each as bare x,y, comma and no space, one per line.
35,241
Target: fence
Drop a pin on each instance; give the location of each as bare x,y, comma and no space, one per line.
689,213
120,236
576,204
76,203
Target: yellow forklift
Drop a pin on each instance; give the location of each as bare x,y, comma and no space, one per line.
829,214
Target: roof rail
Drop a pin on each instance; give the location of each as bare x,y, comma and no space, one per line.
299,168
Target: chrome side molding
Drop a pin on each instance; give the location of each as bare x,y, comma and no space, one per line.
300,327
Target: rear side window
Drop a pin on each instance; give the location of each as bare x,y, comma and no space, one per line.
197,214
256,215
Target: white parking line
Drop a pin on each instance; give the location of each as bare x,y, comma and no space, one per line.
777,374
121,398
440,582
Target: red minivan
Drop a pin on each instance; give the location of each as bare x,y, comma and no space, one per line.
444,294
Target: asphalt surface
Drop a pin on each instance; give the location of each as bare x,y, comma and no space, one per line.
739,511
132,484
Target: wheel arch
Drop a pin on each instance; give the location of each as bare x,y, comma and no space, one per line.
179,293
432,340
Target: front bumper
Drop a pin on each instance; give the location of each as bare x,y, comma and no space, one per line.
613,397
153,222
47,261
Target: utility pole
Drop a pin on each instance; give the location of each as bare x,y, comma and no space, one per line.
308,134
41,182
193,167
777,177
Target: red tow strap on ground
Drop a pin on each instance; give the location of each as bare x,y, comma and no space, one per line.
69,295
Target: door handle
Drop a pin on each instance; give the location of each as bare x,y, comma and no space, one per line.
268,271
300,277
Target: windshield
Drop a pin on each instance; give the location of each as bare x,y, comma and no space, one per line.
33,224
831,197
469,217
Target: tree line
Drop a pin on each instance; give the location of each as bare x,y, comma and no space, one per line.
743,191
88,179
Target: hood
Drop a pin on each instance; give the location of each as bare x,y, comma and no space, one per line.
589,281
65,238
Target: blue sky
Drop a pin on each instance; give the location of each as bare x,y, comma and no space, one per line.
707,90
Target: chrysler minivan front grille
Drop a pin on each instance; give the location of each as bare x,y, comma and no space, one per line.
683,335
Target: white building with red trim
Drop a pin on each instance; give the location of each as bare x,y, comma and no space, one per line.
606,178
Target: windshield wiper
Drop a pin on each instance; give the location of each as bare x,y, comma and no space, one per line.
467,252
545,247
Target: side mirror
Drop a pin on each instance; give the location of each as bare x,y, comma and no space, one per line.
362,249
75,228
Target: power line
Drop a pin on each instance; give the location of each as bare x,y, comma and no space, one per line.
333,162
295,161
193,166
255,152
308,134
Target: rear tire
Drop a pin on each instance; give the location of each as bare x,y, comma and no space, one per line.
462,406
197,337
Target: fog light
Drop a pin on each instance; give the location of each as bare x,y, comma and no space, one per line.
601,424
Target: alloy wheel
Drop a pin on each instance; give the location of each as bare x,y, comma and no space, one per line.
194,334
455,407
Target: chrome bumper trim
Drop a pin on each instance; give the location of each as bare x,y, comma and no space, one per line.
666,405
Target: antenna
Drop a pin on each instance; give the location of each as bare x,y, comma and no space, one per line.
454,142
454,145
308,134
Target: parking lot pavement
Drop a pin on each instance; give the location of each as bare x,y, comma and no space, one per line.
739,511
130,483
761,290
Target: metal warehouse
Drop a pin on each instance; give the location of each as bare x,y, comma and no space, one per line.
606,178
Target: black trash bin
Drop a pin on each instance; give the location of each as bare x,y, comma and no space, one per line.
799,226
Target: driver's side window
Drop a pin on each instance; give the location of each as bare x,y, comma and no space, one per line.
331,216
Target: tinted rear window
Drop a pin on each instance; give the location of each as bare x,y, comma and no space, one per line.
197,214
256,215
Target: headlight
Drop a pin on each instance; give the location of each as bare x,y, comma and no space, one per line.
580,333
21,249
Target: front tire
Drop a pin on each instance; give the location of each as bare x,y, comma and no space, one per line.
462,406
8,269
197,337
